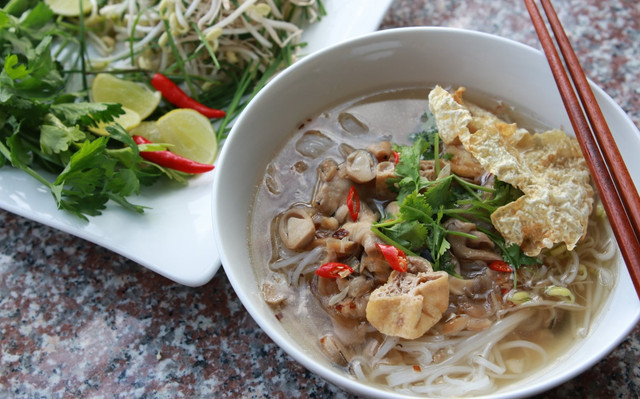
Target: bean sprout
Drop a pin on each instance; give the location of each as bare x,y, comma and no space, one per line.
240,33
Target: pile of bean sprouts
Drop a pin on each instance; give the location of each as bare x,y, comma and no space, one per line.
199,38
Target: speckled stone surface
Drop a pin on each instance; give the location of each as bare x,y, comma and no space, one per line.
77,320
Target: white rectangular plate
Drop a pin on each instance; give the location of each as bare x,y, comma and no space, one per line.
175,236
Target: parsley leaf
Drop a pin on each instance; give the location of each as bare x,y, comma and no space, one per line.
56,137
429,133
42,127
408,168
85,113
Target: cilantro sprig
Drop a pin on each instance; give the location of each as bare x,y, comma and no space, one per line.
424,205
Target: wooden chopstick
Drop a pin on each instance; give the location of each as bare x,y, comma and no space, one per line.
617,191
619,172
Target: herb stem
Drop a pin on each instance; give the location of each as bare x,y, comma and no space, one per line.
132,38
388,240
178,58
436,154
7,154
83,48
206,44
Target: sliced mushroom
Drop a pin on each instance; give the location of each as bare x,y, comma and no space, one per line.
342,213
384,172
459,286
296,228
462,162
428,169
392,208
325,222
332,188
480,248
481,285
381,150
417,264
377,266
476,325
361,233
340,248
361,166
455,324
345,149
274,293
334,349
352,308
360,286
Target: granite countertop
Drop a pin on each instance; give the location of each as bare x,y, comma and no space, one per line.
77,320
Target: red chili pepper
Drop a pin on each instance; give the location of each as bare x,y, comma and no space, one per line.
170,160
353,203
396,157
500,266
396,257
174,94
334,270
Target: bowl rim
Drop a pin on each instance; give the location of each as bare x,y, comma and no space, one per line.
332,376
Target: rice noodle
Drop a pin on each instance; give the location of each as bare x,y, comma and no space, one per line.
339,296
525,345
475,361
495,368
302,261
385,347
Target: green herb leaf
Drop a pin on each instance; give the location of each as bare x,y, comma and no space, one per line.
425,205
55,137
87,114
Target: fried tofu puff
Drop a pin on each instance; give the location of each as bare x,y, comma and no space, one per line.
548,167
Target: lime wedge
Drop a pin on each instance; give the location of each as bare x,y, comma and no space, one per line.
68,8
147,129
191,134
128,121
110,89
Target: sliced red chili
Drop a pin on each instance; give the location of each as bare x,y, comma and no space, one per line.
396,257
174,94
353,203
334,270
500,266
171,160
396,157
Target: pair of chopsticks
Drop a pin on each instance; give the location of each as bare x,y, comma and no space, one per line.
617,191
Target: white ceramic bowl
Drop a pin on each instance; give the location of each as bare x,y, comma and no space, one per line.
513,72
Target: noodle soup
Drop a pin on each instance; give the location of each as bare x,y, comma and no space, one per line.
451,300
